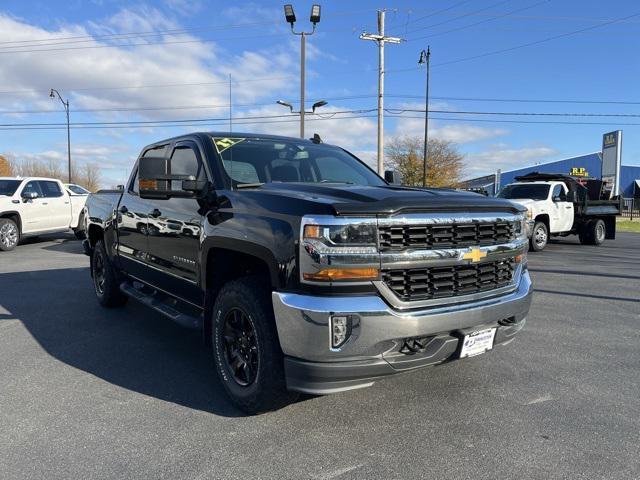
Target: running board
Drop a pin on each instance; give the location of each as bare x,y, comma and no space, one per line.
164,304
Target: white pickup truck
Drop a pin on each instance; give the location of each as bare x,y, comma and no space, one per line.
34,206
559,205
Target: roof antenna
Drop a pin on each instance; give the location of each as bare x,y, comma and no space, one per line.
316,139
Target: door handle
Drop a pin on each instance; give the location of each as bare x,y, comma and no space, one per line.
45,203
155,213
567,207
123,209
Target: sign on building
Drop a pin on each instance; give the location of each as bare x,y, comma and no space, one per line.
611,161
579,172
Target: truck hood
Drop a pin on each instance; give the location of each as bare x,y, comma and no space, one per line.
525,202
348,199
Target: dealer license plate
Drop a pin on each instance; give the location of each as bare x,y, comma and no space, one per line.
478,342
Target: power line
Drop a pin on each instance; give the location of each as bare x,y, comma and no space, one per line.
464,27
438,12
241,121
534,114
458,17
537,42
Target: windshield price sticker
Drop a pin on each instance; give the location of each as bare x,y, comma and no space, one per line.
225,143
477,342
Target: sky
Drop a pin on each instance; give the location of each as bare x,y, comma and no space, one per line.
169,66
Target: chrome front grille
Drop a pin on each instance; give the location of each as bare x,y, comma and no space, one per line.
428,283
436,236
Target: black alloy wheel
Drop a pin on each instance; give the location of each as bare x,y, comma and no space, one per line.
99,272
241,347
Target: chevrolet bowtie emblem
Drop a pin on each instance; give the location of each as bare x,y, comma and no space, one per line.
474,254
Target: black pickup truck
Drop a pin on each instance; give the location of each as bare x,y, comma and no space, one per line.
305,271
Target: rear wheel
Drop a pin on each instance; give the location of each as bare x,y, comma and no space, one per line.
539,237
105,279
246,349
593,233
9,234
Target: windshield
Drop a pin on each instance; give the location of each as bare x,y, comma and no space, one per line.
9,187
525,190
251,161
77,189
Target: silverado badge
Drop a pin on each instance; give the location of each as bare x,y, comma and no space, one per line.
474,254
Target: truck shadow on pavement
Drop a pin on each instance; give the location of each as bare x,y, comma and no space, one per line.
131,347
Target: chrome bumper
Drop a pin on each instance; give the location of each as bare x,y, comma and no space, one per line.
378,332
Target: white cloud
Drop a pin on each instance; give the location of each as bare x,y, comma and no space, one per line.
142,62
500,156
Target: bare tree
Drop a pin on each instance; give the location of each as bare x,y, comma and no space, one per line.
90,177
444,162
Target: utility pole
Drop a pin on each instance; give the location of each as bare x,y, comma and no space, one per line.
380,39
53,94
230,107
314,18
424,59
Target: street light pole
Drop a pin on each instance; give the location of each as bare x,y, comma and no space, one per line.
53,94
291,19
303,48
424,59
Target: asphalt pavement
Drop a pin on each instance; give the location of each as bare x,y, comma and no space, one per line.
89,393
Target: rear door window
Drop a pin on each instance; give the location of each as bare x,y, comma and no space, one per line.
50,189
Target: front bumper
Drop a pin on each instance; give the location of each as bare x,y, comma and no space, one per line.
379,334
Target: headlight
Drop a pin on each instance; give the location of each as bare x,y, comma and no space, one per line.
342,238
521,229
339,250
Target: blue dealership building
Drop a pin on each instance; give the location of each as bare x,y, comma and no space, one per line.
587,166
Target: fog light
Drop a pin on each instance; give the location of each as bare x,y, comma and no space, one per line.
340,330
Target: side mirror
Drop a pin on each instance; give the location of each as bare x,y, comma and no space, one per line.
154,181
556,198
29,196
572,197
393,177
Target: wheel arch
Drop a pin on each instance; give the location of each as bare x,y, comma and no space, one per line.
15,216
544,218
236,259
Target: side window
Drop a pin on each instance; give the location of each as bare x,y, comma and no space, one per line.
185,162
558,191
50,189
32,187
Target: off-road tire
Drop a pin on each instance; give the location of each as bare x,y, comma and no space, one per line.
539,237
267,391
106,281
9,234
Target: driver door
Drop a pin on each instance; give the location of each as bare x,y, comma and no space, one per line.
34,212
562,211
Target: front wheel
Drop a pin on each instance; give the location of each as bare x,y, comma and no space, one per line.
246,349
9,234
539,237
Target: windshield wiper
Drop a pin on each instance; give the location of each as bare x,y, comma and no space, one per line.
248,185
336,181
